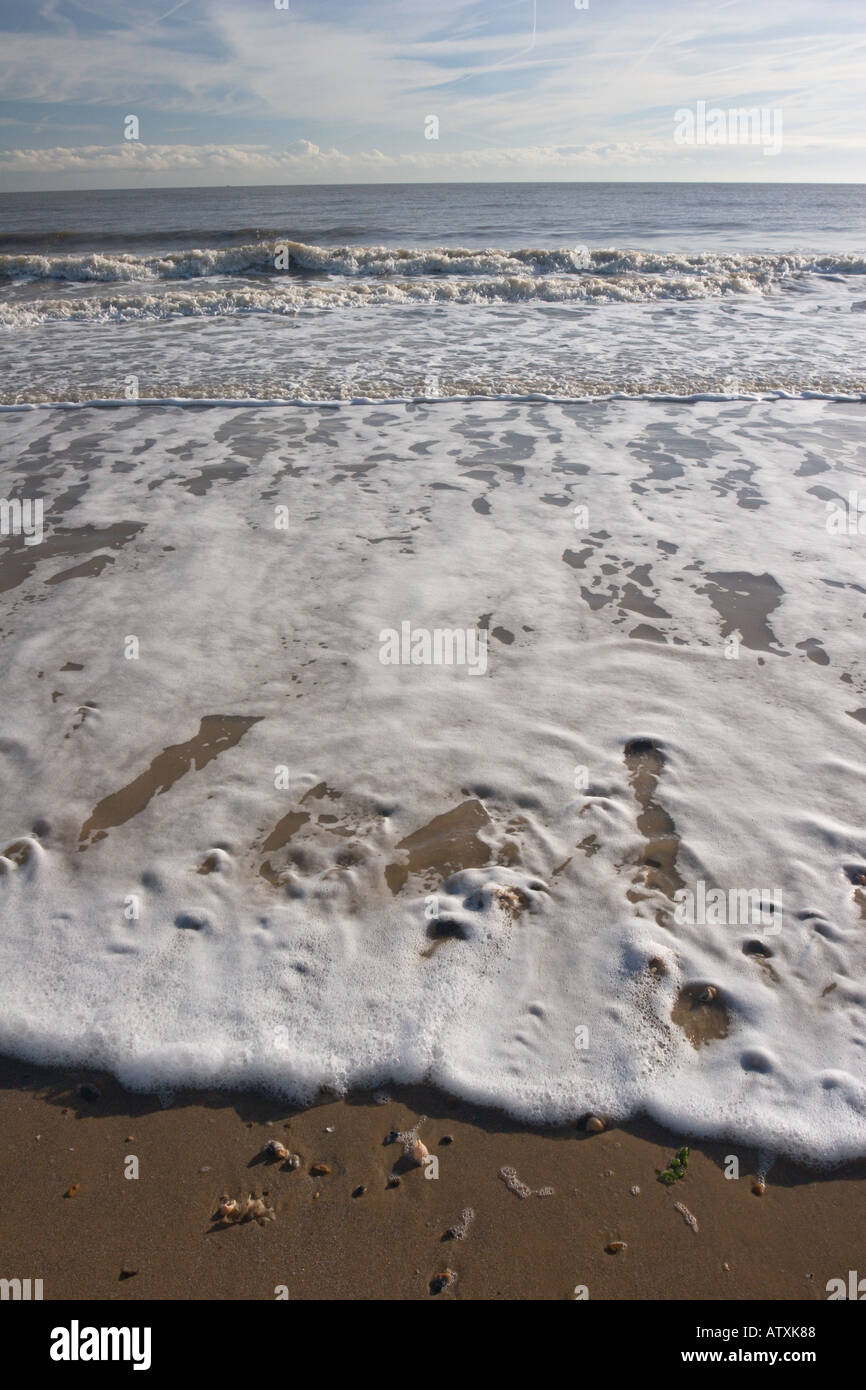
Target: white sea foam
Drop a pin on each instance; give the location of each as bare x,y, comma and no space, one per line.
526,263
317,972
293,295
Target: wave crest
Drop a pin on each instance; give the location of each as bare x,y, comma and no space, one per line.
296,258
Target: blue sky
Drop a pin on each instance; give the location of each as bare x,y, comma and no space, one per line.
239,91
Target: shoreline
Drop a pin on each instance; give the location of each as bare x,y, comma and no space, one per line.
353,1233
769,397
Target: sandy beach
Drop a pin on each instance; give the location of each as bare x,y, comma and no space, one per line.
348,1234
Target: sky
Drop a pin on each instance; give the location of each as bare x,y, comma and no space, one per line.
384,91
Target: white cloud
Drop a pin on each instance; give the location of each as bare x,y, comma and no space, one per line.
305,162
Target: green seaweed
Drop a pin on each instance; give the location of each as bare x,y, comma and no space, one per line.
677,1169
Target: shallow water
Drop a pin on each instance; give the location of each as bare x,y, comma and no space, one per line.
241,848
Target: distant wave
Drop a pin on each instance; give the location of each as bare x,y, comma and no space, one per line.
67,238
718,271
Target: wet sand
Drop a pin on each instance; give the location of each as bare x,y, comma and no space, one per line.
347,1234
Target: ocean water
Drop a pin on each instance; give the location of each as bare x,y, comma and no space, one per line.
331,294
449,666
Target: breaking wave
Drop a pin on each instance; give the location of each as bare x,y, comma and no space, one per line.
378,262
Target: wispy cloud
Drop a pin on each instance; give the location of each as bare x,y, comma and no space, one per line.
531,75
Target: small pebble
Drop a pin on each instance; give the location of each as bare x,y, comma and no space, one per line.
71,1191
393,1182
759,1189
128,1273
594,1125
205,1169
442,1281
615,1247
320,1170
635,1191
447,1139
359,1191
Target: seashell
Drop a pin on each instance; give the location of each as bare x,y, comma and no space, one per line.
419,1152
594,1125
708,995
228,1209
759,1189
442,1281
71,1191
274,1149
320,1170
614,1247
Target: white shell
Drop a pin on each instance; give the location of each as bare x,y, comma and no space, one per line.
274,1149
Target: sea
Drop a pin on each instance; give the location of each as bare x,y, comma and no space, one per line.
484,290
431,647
